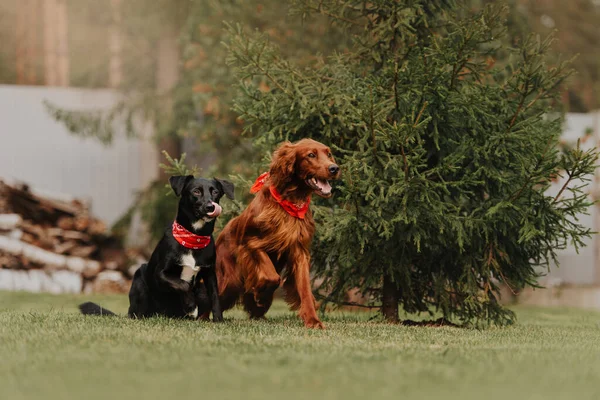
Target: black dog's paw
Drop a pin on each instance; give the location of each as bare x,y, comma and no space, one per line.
218,318
189,304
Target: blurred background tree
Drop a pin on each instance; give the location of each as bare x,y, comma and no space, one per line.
144,22
194,115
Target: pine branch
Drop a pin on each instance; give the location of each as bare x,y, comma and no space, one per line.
177,166
372,127
530,176
456,70
566,184
516,114
320,10
405,161
271,78
420,114
328,299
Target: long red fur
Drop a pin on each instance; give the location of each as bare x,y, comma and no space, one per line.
256,247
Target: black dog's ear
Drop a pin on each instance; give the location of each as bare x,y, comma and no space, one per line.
178,183
226,187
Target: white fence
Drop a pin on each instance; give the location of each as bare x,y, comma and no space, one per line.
583,267
36,149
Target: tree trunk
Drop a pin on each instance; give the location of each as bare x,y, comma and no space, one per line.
50,46
115,45
389,307
167,75
62,40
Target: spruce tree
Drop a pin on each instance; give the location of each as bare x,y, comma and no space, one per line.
446,155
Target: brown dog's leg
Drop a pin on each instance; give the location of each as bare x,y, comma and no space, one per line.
260,285
301,275
291,292
254,310
228,275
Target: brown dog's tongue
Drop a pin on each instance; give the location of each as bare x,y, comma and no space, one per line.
324,186
217,211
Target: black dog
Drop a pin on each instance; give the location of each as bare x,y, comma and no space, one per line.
170,284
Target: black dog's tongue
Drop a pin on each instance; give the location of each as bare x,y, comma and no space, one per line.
216,212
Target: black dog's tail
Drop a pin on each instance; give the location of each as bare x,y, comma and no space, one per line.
90,308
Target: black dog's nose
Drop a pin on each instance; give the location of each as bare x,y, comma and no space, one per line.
210,207
333,169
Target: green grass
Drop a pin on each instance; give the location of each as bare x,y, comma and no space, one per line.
48,351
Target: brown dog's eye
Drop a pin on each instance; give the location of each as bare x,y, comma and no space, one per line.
329,155
311,155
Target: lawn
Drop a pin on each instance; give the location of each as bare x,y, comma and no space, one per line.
48,351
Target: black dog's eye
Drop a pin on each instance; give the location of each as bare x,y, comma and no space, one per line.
196,192
215,192
311,155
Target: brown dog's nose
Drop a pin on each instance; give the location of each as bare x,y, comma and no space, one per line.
333,169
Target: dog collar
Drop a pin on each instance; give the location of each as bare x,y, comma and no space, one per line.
188,239
295,210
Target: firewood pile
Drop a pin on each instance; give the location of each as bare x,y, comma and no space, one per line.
51,243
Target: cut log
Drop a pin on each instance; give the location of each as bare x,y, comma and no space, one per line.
57,232
110,282
83,251
32,228
96,227
65,247
9,261
28,238
40,281
82,223
41,238
15,234
131,270
109,254
59,235
9,222
40,256
24,201
66,223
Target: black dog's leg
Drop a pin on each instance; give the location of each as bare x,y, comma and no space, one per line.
139,298
202,299
177,284
188,300
212,289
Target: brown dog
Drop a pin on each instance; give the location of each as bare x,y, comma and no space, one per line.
275,232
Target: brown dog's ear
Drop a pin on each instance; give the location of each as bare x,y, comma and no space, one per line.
178,183
283,164
225,187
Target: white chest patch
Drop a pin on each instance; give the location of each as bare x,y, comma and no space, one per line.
189,268
200,223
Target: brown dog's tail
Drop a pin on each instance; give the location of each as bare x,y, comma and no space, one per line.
90,308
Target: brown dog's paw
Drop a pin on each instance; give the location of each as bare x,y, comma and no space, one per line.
204,317
257,297
314,323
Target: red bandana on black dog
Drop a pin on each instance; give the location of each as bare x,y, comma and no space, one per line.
188,239
295,210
